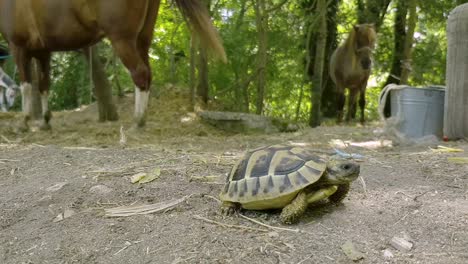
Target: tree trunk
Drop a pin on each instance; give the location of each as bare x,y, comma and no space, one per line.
203,84
399,41
299,103
261,19
193,54
372,11
245,92
241,76
406,62
329,105
316,89
203,81
102,88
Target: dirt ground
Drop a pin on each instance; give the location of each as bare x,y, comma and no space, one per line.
55,186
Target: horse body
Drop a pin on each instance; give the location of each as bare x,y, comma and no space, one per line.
350,67
35,28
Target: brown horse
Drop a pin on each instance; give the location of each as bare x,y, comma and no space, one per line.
350,67
35,28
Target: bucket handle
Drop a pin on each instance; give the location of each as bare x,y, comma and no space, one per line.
391,123
383,100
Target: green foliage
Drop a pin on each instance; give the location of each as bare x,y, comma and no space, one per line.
70,79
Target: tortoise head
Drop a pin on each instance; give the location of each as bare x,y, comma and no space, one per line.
340,171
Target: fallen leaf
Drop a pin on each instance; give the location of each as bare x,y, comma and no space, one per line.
458,160
58,218
446,149
68,212
137,177
144,177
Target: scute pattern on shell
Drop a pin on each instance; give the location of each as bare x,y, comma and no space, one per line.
272,172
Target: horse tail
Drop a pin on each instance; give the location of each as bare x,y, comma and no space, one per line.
197,15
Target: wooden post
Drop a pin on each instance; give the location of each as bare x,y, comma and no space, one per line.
456,96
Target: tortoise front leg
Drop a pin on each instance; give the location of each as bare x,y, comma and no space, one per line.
293,211
321,194
340,194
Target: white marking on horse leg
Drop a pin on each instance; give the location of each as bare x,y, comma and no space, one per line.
141,104
45,102
10,94
26,93
3,105
45,111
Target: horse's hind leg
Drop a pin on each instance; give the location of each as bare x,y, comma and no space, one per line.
127,51
340,102
146,34
351,105
23,62
3,103
44,83
362,104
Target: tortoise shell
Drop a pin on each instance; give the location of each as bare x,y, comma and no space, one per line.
270,177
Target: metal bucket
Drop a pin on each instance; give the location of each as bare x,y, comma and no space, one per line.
418,112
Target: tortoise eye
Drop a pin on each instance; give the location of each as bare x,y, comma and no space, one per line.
346,166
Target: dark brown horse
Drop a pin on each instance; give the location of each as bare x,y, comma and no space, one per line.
35,28
350,67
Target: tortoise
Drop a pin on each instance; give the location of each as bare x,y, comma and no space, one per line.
288,177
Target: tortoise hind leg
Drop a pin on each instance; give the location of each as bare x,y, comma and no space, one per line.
229,208
340,194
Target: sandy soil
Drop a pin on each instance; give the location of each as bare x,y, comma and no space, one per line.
80,169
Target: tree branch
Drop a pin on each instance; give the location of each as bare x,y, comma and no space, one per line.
278,6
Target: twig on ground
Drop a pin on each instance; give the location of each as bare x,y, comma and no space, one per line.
414,198
9,160
401,219
419,195
363,183
407,195
127,244
144,209
107,172
205,179
228,225
81,148
269,226
212,198
302,261
6,139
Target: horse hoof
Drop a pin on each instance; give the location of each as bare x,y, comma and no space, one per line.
140,122
23,129
45,127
